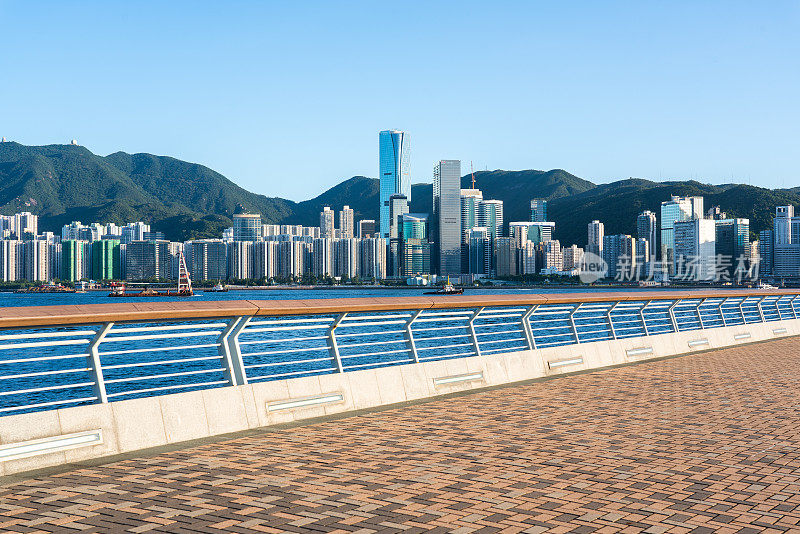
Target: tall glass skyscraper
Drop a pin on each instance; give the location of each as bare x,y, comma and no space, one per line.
447,216
395,178
674,210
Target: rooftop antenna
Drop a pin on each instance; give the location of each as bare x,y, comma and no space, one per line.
472,172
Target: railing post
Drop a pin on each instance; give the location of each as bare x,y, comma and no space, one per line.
572,323
526,327
700,315
672,316
335,346
231,352
610,322
412,346
760,311
641,316
93,361
472,331
791,304
741,310
721,313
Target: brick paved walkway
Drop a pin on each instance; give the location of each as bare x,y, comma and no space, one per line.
701,443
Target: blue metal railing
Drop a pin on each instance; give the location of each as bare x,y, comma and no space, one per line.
52,367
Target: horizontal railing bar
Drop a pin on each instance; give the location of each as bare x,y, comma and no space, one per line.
165,375
115,339
278,364
377,323
250,329
368,317
45,373
446,314
33,344
369,343
156,349
350,356
458,327
282,351
517,331
356,334
161,362
167,327
438,347
43,358
38,335
434,338
464,318
282,340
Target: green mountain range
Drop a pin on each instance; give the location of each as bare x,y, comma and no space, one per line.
63,183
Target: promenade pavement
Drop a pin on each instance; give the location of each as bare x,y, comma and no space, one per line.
708,442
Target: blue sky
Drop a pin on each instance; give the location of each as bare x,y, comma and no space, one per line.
287,98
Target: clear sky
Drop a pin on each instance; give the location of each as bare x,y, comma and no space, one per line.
287,98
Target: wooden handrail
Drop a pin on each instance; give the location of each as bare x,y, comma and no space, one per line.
75,314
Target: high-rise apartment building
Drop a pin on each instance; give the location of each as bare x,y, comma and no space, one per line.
346,223
447,217
106,260
594,244
146,260
646,228
538,210
619,253
326,225
394,174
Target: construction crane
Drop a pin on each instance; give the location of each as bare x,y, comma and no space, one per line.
472,172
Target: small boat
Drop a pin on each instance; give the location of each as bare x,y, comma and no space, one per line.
447,289
219,288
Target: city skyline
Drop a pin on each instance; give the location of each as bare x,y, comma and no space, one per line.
621,89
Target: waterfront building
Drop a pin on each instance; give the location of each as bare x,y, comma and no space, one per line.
526,258
674,210
572,257
619,253
490,216
247,227
732,241
76,260
209,259
106,260
367,228
536,232
413,247
346,263
147,260
538,210
37,261
594,244
373,258
646,228
266,255
323,257
470,198
240,260
326,224
505,257
446,224
695,249
765,252
346,222
12,256
783,225
394,149
549,257
480,250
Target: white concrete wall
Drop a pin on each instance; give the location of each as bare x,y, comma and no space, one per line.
136,424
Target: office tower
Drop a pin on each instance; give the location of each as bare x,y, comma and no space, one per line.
673,210
373,258
646,229
783,225
505,257
326,225
413,249
732,238
490,216
535,232
594,244
346,222
37,261
447,217
765,252
526,258
394,176
643,257
695,249
240,260
619,253
480,250
572,257
470,198
538,210
106,260
12,255
247,227
366,228
148,260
